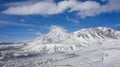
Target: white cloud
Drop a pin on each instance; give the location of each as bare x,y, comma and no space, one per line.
83,9
75,21
4,23
42,8
112,5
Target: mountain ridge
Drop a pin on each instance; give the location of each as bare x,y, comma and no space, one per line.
58,38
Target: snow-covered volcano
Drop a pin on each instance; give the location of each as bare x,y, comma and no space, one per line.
59,40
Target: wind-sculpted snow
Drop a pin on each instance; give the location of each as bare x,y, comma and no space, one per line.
92,47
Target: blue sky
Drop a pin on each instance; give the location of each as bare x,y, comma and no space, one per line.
23,20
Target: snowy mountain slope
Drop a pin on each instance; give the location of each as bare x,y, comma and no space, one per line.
56,35
98,34
59,40
90,47
106,55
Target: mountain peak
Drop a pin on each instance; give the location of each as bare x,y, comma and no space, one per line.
97,33
58,29
104,28
56,35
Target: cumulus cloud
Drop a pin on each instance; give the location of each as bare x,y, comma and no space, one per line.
42,8
83,9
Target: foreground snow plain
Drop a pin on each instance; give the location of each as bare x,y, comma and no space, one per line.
105,55
95,54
